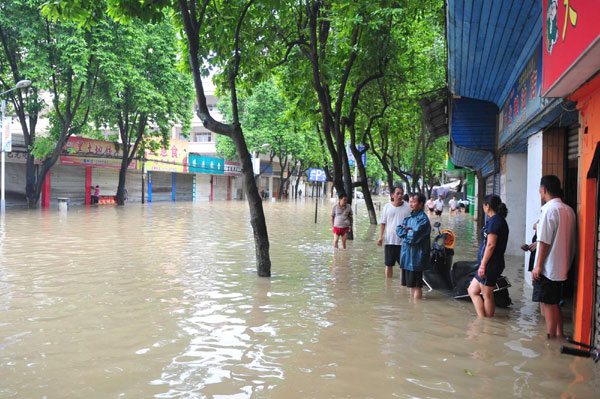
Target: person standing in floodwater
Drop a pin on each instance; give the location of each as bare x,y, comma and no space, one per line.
414,256
554,255
96,196
439,206
430,206
393,214
494,237
341,220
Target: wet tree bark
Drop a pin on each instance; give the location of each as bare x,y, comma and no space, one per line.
257,216
192,23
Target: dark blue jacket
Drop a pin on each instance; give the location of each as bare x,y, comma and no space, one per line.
414,255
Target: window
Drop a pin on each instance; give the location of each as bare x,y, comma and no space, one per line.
203,137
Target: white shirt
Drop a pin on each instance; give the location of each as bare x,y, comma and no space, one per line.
430,204
452,204
392,216
439,205
557,229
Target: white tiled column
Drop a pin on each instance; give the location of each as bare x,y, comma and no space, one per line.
533,204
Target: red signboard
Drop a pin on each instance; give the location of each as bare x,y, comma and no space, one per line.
89,152
571,27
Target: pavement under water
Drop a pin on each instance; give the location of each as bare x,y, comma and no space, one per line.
163,301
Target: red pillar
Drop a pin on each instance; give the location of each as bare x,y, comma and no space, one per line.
211,187
46,192
88,185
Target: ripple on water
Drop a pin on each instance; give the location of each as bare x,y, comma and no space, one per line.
163,301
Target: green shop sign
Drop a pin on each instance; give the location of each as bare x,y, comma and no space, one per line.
210,165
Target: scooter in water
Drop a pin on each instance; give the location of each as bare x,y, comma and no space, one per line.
588,351
455,279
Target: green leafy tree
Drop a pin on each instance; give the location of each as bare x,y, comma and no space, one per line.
270,127
60,60
231,36
141,93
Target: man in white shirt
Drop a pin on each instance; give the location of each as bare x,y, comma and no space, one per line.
392,216
555,253
453,204
439,206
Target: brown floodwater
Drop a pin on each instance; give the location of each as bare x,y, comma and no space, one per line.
163,301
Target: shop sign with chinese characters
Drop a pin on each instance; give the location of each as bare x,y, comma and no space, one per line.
524,99
210,165
88,152
174,158
232,168
571,44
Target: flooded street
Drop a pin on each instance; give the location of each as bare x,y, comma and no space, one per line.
163,301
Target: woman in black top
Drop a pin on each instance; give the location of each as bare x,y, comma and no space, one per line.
494,237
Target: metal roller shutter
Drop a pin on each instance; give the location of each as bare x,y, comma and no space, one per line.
68,182
202,187
133,183
107,179
220,188
572,145
15,183
162,186
183,186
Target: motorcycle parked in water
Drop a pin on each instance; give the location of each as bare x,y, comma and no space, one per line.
455,279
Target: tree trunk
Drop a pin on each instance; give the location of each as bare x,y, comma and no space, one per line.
30,179
364,183
257,215
296,187
122,178
423,145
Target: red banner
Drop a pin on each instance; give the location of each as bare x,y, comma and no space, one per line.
88,152
570,28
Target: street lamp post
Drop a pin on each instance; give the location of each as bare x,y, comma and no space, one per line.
20,85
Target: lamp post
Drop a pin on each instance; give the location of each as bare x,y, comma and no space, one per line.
5,146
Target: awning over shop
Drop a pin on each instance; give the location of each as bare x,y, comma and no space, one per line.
488,44
473,132
435,111
474,123
469,158
556,113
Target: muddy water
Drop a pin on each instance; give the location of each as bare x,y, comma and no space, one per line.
163,301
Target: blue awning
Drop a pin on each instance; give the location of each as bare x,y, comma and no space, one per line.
474,123
489,43
469,158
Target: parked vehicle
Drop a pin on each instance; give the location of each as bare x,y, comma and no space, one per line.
454,279
588,350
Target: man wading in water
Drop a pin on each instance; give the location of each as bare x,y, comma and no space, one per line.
393,214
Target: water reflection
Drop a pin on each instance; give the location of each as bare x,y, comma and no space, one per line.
163,301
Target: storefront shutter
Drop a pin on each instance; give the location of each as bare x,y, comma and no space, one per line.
572,145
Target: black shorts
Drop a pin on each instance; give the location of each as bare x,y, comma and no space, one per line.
412,279
391,254
438,212
547,291
491,276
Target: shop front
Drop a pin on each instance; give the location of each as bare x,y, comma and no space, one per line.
167,171
571,66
